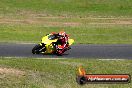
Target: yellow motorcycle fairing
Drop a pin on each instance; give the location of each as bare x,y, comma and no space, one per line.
48,43
71,41
47,40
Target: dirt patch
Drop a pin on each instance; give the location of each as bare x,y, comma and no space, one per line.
85,21
36,21
123,22
11,71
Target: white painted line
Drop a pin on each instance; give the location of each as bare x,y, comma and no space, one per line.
50,58
11,57
112,59
32,58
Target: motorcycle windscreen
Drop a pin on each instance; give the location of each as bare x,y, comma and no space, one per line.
71,41
46,40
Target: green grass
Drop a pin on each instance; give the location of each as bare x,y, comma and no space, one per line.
66,7
50,73
85,34
30,20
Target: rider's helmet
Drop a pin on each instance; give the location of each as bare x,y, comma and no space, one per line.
62,33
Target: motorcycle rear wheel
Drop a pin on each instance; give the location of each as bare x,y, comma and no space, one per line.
59,53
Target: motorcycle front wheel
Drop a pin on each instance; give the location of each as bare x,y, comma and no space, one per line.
37,49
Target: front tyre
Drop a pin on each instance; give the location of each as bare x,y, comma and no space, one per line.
37,49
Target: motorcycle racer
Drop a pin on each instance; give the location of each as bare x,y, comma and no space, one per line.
62,43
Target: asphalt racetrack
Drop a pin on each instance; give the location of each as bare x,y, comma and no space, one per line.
77,51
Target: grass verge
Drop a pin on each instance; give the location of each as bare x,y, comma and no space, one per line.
66,8
86,34
28,21
57,73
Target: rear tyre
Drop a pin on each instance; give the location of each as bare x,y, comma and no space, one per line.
37,49
59,52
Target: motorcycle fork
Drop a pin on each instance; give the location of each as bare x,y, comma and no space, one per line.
43,47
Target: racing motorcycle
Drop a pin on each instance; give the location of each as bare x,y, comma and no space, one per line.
46,46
